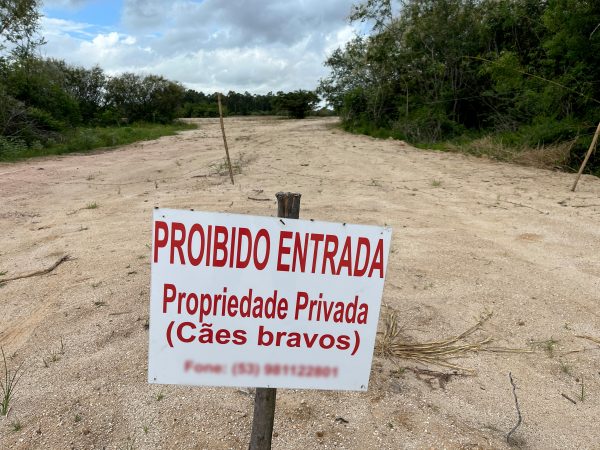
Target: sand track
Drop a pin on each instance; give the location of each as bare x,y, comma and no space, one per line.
470,236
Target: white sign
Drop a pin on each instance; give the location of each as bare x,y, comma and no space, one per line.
262,301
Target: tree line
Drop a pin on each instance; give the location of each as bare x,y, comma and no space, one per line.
524,71
297,104
40,98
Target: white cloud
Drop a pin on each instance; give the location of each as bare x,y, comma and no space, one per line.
53,26
65,3
253,45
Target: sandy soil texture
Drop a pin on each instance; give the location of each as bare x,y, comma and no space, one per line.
471,237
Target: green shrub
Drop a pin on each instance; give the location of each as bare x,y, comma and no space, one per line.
85,139
11,148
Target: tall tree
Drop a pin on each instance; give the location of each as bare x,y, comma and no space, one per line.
298,103
19,21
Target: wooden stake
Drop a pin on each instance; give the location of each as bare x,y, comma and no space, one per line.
37,272
288,207
264,416
224,138
587,156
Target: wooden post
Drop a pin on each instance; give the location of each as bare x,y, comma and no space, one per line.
224,138
587,157
288,207
264,416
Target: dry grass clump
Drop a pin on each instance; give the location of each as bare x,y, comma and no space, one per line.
391,345
545,156
486,146
554,156
221,167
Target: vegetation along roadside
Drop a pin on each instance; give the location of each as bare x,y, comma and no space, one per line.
516,80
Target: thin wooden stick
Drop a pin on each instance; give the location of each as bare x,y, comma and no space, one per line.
587,156
224,138
37,272
519,417
524,206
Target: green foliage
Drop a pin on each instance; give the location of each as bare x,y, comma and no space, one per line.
85,139
298,104
43,120
434,70
11,148
246,103
151,98
16,425
42,84
8,383
542,130
87,88
18,26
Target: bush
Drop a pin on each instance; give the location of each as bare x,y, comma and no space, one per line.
11,148
85,139
542,130
298,103
43,120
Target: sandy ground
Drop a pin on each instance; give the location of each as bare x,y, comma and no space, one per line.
471,237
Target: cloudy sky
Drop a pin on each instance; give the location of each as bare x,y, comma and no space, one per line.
208,45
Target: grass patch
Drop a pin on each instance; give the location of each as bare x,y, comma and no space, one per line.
565,368
546,144
372,130
82,139
221,167
552,156
8,384
545,156
548,345
130,444
92,205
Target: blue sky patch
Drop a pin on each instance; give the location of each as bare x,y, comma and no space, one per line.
102,13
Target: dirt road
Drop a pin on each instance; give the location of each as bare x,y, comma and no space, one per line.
471,237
